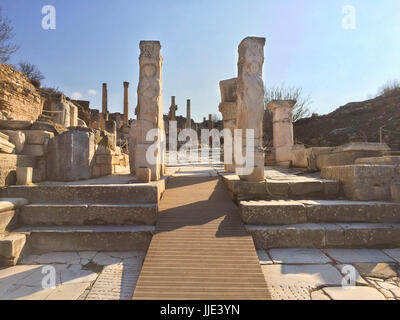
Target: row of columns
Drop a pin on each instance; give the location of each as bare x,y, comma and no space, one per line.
173,108
104,110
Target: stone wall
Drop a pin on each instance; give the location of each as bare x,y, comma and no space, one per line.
19,99
83,110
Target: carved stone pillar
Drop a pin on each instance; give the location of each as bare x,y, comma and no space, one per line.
250,101
282,115
228,108
149,111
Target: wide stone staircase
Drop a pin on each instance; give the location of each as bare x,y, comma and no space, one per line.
322,224
295,210
102,217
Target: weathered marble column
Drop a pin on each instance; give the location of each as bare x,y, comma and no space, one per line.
250,101
188,115
149,111
282,117
172,109
210,123
228,109
105,101
126,103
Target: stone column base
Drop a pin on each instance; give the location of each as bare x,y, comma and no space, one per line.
141,161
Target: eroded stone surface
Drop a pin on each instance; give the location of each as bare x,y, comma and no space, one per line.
353,293
358,255
298,256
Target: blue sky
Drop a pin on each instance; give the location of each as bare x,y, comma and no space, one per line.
97,41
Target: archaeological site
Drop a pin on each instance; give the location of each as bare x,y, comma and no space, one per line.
124,177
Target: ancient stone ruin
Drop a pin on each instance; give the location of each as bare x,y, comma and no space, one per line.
97,195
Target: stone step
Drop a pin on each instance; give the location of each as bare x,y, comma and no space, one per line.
65,214
11,246
107,193
9,212
88,238
323,235
281,212
281,187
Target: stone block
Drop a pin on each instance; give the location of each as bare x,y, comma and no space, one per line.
24,176
363,182
73,113
106,169
395,192
142,161
7,220
6,146
12,161
71,156
288,236
372,235
272,212
39,175
277,188
349,153
395,160
15,125
34,150
38,136
358,255
96,171
11,246
143,175
353,293
306,276
17,138
8,177
298,256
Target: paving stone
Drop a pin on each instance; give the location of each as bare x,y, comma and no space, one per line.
359,279
59,257
386,293
289,292
103,259
319,295
377,270
394,253
298,256
353,293
18,292
264,257
29,260
89,255
386,285
127,254
116,282
309,276
69,276
358,255
396,292
70,291
9,276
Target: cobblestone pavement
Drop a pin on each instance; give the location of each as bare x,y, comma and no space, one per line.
77,275
334,274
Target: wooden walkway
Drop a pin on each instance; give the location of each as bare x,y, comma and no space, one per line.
200,250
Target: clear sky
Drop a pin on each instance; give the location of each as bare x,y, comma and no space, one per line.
97,41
